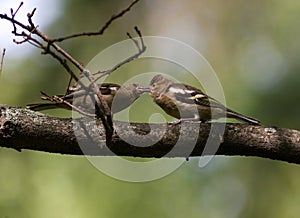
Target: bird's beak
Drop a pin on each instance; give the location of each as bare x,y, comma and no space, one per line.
143,89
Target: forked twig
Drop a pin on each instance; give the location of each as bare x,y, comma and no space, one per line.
102,29
61,100
33,30
13,14
140,47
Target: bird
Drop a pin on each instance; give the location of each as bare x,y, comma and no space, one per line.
117,98
187,103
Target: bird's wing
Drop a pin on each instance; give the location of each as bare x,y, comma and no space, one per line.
109,88
191,95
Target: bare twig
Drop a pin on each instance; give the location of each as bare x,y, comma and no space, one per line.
62,101
32,29
140,47
13,14
101,31
2,60
30,15
102,109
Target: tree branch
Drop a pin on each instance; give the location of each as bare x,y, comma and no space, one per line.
102,29
25,129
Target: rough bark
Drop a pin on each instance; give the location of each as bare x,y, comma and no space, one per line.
25,129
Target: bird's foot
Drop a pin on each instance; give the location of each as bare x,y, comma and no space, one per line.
175,122
179,121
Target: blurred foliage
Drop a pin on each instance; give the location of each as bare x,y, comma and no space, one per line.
254,48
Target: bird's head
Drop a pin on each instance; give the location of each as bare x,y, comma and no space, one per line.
159,85
132,91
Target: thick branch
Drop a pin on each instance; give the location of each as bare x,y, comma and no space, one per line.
25,129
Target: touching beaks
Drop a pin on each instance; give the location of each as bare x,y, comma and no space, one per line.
143,89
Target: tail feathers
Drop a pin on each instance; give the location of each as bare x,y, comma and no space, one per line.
45,106
243,118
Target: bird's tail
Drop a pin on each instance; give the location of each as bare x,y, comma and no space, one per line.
241,117
45,106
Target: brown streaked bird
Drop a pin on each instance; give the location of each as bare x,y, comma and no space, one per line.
117,97
185,102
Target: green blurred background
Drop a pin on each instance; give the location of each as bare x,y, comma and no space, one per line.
254,48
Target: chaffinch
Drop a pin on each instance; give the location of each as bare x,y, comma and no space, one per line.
185,102
117,97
